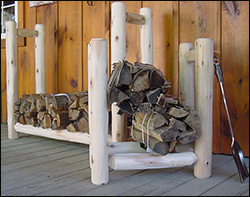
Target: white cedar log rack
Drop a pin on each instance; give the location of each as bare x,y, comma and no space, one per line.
195,86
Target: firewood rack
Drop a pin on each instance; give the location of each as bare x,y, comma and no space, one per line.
195,86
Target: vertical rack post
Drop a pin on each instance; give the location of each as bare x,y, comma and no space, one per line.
40,58
98,110
146,37
204,72
11,72
118,53
186,75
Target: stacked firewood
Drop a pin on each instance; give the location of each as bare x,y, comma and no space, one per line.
159,121
55,111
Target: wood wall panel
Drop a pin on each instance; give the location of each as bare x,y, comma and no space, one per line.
162,36
26,55
96,15
70,46
133,33
235,66
201,19
47,15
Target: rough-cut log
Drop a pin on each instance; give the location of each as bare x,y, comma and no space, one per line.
117,95
62,120
179,148
52,111
60,102
72,127
74,114
188,136
152,95
16,116
154,144
156,79
161,101
141,81
24,104
34,121
40,115
74,103
125,77
172,145
178,113
144,107
167,133
180,125
193,121
22,119
17,105
163,134
136,97
126,107
40,105
48,100
83,100
156,120
46,121
83,125
85,115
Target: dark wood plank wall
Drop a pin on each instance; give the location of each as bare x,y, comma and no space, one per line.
70,25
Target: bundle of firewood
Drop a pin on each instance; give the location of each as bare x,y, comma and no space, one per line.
55,111
159,120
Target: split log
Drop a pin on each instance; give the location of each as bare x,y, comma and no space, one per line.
46,121
154,144
161,101
40,105
180,148
136,97
187,136
74,114
178,112
40,116
117,95
52,111
168,133
72,127
152,95
193,121
125,106
83,125
22,119
144,108
83,101
141,81
124,76
156,79
61,121
156,120
16,116
180,125
163,134
60,102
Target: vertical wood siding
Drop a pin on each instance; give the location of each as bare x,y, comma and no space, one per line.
70,25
